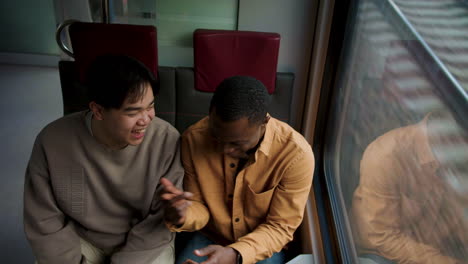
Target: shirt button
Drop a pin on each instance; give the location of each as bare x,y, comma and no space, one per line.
237,220
232,165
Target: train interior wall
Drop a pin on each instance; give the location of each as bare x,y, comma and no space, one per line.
30,98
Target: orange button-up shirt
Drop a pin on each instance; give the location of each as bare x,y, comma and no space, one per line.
402,209
257,209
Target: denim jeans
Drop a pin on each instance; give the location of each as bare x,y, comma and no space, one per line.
195,240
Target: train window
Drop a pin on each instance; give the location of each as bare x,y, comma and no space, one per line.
176,21
396,162
27,27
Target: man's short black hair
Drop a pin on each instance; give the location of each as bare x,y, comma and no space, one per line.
111,79
238,97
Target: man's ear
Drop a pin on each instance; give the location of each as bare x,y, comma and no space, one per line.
267,118
97,110
265,121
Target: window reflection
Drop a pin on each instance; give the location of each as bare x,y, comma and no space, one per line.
409,205
400,152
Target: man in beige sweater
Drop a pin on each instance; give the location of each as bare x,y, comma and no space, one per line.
92,183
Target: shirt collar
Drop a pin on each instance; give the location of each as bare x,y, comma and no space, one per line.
425,154
267,141
88,120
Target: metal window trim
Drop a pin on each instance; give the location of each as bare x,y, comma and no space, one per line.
452,93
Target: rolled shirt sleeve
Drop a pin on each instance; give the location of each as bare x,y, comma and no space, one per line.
197,215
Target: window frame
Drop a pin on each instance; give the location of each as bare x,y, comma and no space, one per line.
338,244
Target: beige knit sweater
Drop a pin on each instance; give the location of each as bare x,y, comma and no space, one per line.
75,187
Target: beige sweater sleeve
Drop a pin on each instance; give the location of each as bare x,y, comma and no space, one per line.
51,236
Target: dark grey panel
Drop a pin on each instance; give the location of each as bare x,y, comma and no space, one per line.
73,93
165,102
280,101
192,105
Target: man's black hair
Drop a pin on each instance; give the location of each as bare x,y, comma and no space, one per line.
111,79
238,97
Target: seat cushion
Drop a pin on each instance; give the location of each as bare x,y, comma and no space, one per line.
90,40
219,54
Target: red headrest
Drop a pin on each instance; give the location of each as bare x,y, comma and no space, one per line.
90,40
220,54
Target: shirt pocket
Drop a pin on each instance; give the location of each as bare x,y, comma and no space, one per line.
411,208
425,207
257,204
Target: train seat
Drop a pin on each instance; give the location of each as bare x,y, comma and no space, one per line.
219,54
90,40
185,92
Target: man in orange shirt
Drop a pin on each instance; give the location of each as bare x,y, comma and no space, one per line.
409,206
247,177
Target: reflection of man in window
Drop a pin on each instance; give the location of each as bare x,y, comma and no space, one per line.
409,204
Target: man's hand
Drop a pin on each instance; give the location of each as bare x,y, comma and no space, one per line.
216,255
176,202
